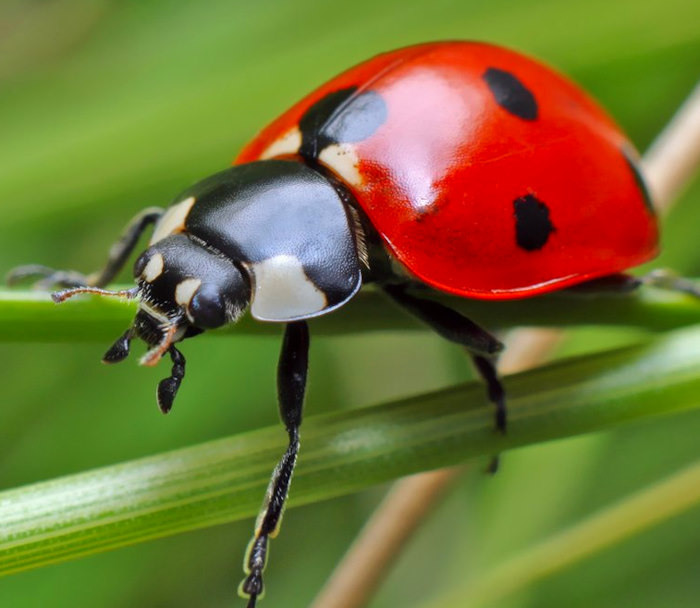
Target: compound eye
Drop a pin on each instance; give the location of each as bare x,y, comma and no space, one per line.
206,308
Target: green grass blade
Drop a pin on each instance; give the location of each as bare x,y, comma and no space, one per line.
632,515
224,480
32,316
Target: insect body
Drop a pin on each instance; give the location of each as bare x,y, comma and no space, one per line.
462,166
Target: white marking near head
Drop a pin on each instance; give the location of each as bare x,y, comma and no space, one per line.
282,291
184,292
173,220
343,160
289,143
154,268
162,318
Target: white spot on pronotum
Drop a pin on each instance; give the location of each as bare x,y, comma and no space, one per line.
154,268
289,143
342,159
184,291
173,220
282,291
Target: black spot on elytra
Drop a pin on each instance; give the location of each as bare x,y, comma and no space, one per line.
344,116
532,224
639,179
511,94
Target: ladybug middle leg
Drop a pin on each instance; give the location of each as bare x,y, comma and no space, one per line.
47,277
455,327
291,387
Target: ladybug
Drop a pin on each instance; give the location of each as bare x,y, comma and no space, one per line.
462,167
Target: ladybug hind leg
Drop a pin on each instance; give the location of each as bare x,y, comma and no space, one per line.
612,284
624,283
455,327
667,279
46,278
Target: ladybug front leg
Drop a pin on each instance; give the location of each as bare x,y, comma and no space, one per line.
47,277
455,327
291,387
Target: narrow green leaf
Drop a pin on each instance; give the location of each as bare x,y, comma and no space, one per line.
632,515
224,480
32,316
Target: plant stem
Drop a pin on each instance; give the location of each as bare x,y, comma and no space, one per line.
32,316
610,526
223,480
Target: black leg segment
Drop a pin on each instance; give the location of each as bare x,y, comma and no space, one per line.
455,327
120,349
611,284
487,370
448,323
122,249
47,278
666,279
291,387
168,387
623,284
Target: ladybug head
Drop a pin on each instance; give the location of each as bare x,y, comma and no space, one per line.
183,289
181,282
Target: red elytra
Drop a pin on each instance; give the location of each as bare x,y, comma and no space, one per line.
491,176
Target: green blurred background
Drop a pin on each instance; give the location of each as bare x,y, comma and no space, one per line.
106,107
